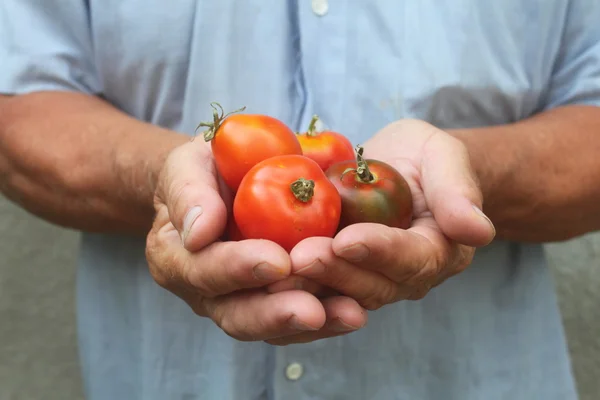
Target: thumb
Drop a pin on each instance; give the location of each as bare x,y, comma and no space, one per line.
189,187
452,193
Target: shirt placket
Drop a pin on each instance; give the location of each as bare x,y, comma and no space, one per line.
322,33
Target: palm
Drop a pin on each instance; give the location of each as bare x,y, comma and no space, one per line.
376,264
411,151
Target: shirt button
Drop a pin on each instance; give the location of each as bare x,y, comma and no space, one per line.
294,371
320,7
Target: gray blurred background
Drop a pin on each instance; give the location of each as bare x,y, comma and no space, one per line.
38,349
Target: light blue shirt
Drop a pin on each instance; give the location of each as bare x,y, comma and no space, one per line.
493,332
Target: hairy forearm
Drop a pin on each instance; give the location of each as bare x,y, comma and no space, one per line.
540,177
76,161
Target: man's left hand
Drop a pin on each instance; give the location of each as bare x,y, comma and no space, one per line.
378,265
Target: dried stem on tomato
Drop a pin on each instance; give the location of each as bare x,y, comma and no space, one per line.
312,127
363,173
311,131
218,118
303,189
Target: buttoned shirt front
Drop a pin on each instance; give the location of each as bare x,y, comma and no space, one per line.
492,332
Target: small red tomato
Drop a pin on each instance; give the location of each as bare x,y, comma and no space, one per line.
325,147
371,191
286,199
240,141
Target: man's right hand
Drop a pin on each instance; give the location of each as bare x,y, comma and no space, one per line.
225,280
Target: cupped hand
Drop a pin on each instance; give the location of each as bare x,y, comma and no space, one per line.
225,281
378,265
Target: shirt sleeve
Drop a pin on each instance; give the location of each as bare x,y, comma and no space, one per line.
576,75
46,45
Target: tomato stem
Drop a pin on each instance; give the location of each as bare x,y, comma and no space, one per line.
303,189
362,171
311,131
218,118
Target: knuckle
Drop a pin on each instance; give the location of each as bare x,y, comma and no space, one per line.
375,299
463,258
338,281
209,275
231,329
236,269
198,311
204,283
196,303
419,294
161,279
463,265
218,316
157,260
428,273
163,272
422,281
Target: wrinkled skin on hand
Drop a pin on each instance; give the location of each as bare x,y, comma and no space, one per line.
226,281
377,265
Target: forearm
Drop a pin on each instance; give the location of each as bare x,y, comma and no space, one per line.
540,177
78,162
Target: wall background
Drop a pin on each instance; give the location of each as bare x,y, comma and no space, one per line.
38,349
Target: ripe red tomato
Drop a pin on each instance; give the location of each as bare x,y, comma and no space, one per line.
240,141
325,147
371,191
286,199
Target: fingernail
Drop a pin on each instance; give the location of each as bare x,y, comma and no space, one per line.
478,211
267,272
356,252
338,325
297,324
189,220
312,269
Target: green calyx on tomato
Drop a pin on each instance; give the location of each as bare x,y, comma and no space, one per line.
371,191
303,189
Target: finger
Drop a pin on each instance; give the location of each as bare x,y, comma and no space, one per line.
256,315
313,258
343,314
295,282
219,268
452,192
224,267
462,257
189,187
396,253
419,258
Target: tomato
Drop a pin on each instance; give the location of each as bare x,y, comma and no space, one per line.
240,141
286,199
372,191
325,147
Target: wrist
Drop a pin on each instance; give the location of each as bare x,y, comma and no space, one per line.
140,158
492,157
